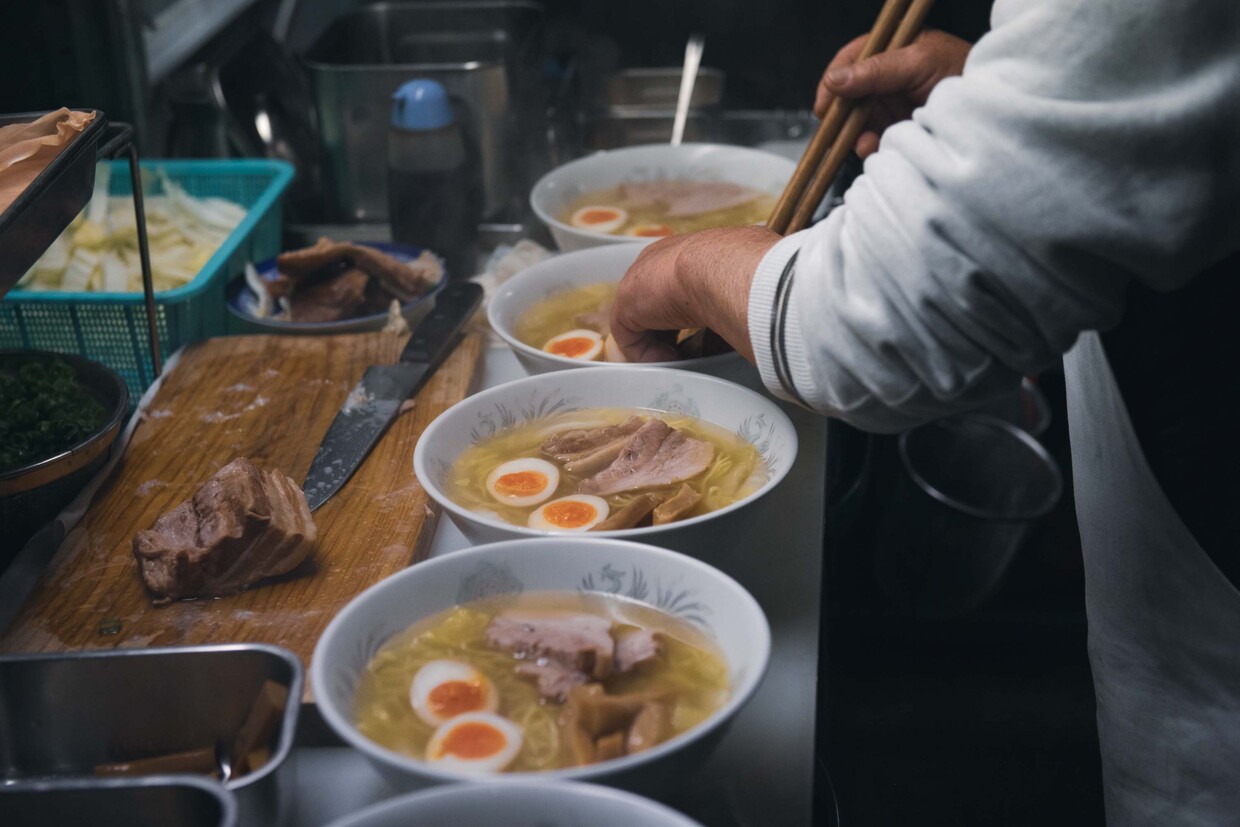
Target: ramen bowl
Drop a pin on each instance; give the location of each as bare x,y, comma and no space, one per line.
532,804
753,418
654,162
597,265
690,590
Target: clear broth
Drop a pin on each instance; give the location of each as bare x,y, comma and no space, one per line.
754,211
736,471
689,668
558,312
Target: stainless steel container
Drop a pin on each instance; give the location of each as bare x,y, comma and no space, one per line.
62,715
638,106
485,53
660,88
156,801
785,133
627,126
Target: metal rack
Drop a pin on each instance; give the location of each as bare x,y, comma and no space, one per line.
59,193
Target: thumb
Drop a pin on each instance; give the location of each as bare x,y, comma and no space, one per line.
884,74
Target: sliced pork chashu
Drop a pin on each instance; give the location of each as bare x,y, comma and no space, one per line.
684,199
242,525
656,455
579,443
577,641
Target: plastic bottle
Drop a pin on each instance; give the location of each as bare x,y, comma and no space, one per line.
431,194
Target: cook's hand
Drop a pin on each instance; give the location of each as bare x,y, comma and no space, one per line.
900,80
687,281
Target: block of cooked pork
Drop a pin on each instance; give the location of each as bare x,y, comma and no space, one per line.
334,280
404,280
336,297
656,455
242,525
581,642
308,262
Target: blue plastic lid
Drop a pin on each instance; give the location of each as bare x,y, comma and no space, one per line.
421,105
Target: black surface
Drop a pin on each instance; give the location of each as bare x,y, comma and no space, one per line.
773,52
1173,356
986,719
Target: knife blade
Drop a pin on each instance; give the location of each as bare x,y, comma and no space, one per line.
374,402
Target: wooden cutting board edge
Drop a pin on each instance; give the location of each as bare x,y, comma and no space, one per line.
94,575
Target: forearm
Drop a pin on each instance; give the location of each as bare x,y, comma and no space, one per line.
1010,214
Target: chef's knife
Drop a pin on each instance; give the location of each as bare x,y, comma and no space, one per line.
372,405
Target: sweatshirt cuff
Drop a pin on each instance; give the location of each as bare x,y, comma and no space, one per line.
774,329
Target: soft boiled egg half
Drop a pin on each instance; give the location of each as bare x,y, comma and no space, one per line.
443,689
526,481
583,344
600,219
577,512
475,742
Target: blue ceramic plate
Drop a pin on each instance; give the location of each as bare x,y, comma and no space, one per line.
243,304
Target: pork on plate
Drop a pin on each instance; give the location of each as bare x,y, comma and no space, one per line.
335,280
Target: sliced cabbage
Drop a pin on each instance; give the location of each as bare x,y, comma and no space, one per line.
99,249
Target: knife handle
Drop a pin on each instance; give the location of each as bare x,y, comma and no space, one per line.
438,332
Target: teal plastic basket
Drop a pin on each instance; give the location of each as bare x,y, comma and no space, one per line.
111,327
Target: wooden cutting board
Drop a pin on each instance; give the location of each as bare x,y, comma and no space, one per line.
269,398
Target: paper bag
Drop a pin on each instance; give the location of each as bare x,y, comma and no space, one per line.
27,148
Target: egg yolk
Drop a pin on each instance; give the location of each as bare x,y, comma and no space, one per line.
652,231
597,216
521,483
452,698
569,514
472,740
572,348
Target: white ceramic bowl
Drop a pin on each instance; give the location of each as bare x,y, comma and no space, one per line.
750,415
675,583
531,804
579,269
695,162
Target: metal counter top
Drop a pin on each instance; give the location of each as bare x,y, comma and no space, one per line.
762,773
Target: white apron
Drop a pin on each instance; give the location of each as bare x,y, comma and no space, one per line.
1164,623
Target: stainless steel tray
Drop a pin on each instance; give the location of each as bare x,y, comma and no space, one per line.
155,801
63,714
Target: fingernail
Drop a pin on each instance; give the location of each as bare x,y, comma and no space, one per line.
839,75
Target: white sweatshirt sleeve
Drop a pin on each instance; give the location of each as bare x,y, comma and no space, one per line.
1088,142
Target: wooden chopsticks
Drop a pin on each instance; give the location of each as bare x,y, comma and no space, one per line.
897,25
